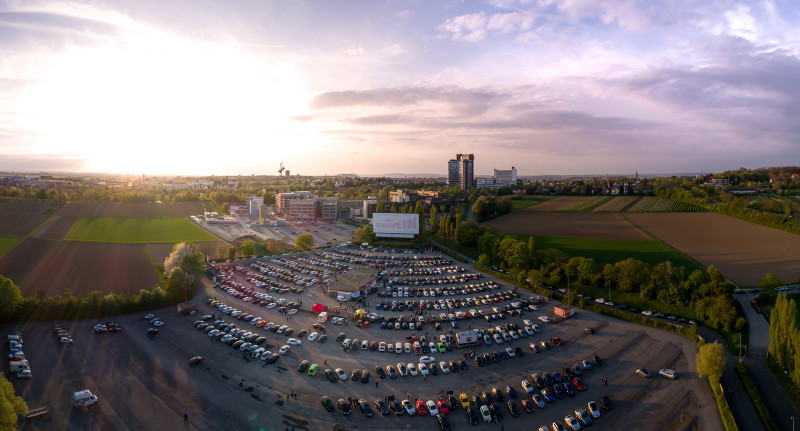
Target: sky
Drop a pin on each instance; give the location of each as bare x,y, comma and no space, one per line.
201,87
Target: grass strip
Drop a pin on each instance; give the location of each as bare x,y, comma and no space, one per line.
724,408
758,401
789,388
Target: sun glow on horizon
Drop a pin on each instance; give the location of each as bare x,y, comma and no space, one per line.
148,104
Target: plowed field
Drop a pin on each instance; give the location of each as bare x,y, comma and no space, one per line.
51,267
743,251
21,217
567,225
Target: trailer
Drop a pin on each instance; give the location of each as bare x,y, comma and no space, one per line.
19,365
564,310
467,339
41,411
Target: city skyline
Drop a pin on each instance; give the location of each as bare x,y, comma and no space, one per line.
203,88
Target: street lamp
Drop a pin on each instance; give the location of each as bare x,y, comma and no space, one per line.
792,423
740,347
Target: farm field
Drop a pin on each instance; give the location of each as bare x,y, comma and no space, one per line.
566,225
56,228
610,251
743,251
518,204
51,267
18,218
555,203
628,204
136,230
6,243
173,209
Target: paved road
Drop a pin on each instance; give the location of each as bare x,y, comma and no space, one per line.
777,402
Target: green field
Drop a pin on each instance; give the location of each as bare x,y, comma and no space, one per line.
4,202
136,230
7,243
517,204
605,251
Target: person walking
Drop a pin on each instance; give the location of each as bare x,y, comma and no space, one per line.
185,418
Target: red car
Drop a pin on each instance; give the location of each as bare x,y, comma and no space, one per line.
557,341
421,410
442,405
579,384
527,405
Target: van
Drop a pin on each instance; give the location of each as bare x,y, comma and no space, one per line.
398,347
83,398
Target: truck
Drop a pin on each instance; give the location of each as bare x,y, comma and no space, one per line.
467,338
83,398
19,365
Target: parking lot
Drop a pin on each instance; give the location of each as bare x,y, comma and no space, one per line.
145,382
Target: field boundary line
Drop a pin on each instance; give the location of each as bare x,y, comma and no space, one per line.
646,232
220,239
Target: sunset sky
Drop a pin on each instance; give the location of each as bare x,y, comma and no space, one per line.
370,87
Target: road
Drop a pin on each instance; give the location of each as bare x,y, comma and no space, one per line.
776,400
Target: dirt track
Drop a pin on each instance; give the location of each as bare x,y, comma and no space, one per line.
743,251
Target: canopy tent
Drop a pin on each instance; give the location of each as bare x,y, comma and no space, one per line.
318,308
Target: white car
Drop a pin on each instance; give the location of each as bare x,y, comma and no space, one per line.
423,369
283,350
254,321
544,319
292,311
670,374
536,328
600,300
487,417
432,410
527,386
236,313
647,313
364,345
427,360
312,336
412,369
382,346
294,341
594,410
529,330
444,367
272,305
510,352
149,317
340,372
572,423
527,322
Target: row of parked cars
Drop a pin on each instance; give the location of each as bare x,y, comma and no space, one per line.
247,342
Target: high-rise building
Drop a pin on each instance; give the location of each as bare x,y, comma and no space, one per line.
461,172
506,177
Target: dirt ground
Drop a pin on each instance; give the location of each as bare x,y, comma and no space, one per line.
554,204
57,228
21,217
173,209
39,265
569,225
743,251
147,384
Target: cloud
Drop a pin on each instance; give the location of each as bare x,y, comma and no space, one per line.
42,162
470,28
301,118
464,100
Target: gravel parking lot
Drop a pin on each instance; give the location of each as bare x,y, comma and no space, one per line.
147,383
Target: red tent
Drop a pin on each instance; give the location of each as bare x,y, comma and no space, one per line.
318,308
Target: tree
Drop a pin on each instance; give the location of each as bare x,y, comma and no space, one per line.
393,208
186,256
304,242
433,218
483,259
380,207
226,208
531,247
248,248
420,209
711,361
10,298
364,234
771,281
177,283
12,407
232,253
